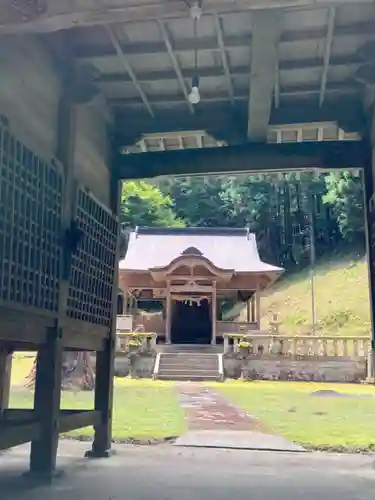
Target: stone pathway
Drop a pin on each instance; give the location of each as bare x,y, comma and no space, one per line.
213,422
205,409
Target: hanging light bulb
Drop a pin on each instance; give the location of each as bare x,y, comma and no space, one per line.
194,96
195,12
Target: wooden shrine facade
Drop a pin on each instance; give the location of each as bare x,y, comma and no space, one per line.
193,273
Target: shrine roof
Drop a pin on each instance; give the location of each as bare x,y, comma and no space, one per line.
225,248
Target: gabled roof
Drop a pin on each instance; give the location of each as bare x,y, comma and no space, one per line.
226,248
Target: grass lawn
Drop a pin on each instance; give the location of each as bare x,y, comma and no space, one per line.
143,409
146,409
318,422
342,299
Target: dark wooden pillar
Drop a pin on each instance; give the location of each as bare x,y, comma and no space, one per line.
47,404
49,358
102,444
369,197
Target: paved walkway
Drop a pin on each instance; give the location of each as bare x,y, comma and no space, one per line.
168,473
214,422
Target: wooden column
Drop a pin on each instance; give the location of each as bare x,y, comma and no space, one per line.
49,358
253,311
257,308
126,295
168,314
214,313
47,403
369,195
105,360
5,375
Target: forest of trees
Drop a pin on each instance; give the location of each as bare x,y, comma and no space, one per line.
282,209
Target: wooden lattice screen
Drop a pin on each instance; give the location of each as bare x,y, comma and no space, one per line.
30,226
91,283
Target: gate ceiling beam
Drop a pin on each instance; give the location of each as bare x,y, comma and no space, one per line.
55,15
249,158
264,56
230,123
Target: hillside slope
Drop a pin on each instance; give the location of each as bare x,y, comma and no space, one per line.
342,299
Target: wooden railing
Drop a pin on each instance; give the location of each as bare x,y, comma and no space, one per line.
146,339
283,345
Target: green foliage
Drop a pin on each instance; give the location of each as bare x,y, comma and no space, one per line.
345,195
143,204
279,208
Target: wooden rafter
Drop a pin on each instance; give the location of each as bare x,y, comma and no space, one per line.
127,67
327,52
224,56
277,85
352,61
175,63
209,43
166,99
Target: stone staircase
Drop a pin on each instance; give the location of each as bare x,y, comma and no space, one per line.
188,363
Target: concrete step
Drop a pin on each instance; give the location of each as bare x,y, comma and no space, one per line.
176,366
188,366
190,348
189,359
187,355
183,369
179,361
188,377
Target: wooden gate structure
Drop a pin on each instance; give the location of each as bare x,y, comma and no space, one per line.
95,91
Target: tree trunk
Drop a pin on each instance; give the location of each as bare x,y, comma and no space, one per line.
77,372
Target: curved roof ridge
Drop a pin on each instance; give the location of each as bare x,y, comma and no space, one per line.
157,248
203,231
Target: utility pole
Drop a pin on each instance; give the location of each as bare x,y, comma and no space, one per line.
312,257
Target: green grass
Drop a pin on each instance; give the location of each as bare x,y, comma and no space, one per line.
342,299
146,409
143,409
21,366
288,409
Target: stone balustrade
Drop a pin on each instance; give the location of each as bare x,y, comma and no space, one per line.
234,327
124,323
299,347
146,339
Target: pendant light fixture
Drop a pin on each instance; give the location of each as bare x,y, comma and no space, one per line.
194,96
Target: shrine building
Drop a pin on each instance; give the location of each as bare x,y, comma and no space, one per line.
192,277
